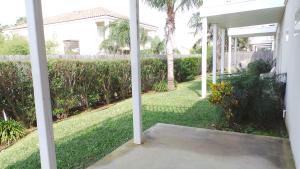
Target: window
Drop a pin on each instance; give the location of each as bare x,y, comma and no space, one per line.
101,30
71,47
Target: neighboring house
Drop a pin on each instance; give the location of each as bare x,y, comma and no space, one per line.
79,31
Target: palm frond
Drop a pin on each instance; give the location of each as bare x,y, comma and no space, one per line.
187,4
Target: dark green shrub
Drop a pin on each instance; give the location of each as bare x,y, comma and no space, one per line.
16,92
160,86
253,100
77,85
10,131
186,68
258,67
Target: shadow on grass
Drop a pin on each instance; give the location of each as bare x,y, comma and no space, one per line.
86,147
196,86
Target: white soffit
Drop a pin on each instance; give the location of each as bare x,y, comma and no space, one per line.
244,13
252,31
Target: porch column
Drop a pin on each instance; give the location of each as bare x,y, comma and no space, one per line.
235,52
229,54
222,51
135,71
204,56
273,44
214,79
41,83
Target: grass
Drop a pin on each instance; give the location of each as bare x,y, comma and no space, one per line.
83,139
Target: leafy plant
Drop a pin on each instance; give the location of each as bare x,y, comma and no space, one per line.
252,100
51,47
15,45
10,131
258,67
221,95
187,68
160,86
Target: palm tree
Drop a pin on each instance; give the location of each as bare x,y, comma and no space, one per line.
195,22
119,37
171,7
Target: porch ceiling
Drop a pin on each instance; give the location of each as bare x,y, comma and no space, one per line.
252,12
253,31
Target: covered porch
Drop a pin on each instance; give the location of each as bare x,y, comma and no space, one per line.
239,18
177,147
163,146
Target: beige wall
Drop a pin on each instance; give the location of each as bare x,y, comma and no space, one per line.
288,61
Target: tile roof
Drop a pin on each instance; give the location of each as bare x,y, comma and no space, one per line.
76,15
83,14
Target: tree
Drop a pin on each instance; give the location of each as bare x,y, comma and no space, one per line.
243,43
21,21
119,37
157,46
51,47
15,45
196,23
171,7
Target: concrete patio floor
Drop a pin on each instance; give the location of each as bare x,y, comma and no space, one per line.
177,147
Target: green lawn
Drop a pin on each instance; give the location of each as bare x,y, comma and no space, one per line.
83,139
86,138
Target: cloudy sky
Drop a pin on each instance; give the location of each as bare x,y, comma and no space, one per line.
10,10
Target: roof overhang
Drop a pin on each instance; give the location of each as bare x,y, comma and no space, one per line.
253,31
244,13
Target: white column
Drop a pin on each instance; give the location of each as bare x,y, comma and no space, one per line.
235,52
204,56
273,45
106,32
41,83
135,71
222,51
229,54
214,71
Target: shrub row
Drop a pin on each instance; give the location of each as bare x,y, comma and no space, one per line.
76,85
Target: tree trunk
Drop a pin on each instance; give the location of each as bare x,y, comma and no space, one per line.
170,30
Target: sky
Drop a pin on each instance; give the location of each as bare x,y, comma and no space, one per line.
9,12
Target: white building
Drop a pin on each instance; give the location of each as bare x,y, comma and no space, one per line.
79,31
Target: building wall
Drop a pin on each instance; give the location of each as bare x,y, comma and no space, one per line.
85,31
288,60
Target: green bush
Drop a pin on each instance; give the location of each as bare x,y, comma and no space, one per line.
10,131
221,95
187,68
77,85
160,86
258,67
253,100
15,45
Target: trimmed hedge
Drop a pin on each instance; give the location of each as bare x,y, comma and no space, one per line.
77,85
